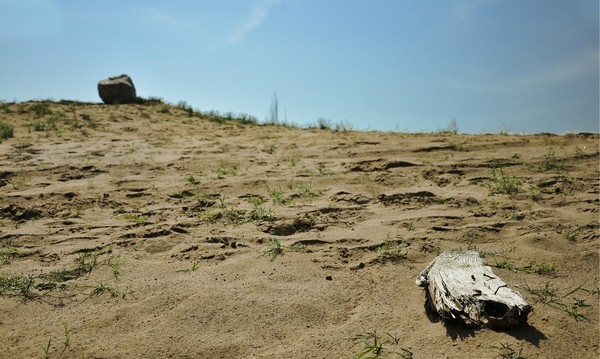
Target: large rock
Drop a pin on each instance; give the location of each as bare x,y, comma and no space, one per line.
117,89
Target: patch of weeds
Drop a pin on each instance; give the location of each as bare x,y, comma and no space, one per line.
535,193
133,218
6,131
40,109
305,190
39,126
8,253
391,250
410,226
195,266
102,288
226,169
571,234
276,195
89,120
541,268
552,163
191,180
471,238
165,109
91,185
506,351
503,184
549,295
293,160
274,248
324,124
323,170
85,263
579,152
505,264
270,148
229,214
258,213
114,263
17,285
375,345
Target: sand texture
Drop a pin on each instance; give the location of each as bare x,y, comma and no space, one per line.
149,231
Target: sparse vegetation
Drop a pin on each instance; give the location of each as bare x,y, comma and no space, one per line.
276,194
552,163
6,131
501,183
376,346
506,351
391,250
195,266
8,253
549,295
17,285
276,248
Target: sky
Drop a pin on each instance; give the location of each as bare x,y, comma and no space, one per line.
518,66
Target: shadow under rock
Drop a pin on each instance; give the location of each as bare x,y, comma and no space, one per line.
455,329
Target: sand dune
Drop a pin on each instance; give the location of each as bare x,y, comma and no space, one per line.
145,231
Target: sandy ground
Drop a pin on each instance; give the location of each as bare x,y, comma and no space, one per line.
138,231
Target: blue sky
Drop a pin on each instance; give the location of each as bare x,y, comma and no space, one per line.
523,66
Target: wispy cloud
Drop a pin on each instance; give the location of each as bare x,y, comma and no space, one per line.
257,16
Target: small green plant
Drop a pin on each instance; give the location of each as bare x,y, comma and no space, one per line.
274,249
103,287
8,253
40,109
391,250
410,226
305,190
85,263
551,163
195,266
19,285
375,345
503,184
115,266
541,268
323,170
133,218
506,351
6,131
46,349
276,195
549,295
258,213
225,169
89,120
191,180
39,126
67,334
505,264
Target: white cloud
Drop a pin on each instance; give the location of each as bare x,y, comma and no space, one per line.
257,16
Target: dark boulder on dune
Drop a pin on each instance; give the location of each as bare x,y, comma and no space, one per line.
117,89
